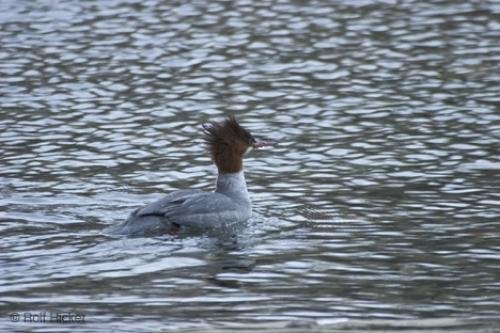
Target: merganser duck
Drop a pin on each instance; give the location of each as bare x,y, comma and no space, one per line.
195,210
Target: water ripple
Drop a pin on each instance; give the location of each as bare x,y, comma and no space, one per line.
381,200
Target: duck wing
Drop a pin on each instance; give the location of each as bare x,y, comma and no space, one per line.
193,209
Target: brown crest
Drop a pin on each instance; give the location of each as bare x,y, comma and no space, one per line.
228,141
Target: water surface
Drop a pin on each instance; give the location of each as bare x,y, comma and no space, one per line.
382,200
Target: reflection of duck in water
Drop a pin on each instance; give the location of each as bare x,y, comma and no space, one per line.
197,210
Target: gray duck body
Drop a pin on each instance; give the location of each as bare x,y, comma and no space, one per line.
193,211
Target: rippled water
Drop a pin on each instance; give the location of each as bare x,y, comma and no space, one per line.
381,202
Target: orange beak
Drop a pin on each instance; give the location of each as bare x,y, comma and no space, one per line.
264,143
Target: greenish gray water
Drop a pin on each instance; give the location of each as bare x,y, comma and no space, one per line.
382,200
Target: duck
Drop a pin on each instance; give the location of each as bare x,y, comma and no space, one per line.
197,211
